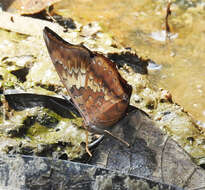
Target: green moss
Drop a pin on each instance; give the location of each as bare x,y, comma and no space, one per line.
51,114
37,130
78,121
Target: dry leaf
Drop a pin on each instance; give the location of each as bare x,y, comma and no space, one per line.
26,6
26,25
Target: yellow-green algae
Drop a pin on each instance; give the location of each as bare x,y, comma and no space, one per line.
9,79
66,131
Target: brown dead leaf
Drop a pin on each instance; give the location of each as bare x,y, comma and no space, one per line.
26,7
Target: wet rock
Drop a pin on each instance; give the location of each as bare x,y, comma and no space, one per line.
19,61
65,22
21,74
42,173
131,59
47,120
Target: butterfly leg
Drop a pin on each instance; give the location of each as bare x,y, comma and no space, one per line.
86,141
98,130
119,139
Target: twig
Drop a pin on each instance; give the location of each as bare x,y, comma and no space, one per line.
167,18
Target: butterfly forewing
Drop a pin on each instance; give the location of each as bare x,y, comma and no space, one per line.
98,91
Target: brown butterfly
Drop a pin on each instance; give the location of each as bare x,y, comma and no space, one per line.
93,82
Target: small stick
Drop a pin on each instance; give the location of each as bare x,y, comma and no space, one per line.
105,131
167,18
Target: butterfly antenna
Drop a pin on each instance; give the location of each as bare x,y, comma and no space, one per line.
121,140
86,141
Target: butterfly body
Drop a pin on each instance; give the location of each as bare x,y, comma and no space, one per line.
93,82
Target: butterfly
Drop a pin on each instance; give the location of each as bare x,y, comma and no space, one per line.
92,81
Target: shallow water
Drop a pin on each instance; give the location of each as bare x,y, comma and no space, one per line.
141,25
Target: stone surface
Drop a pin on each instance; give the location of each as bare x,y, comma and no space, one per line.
24,172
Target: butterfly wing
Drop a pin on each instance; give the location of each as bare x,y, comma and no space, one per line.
98,91
112,104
